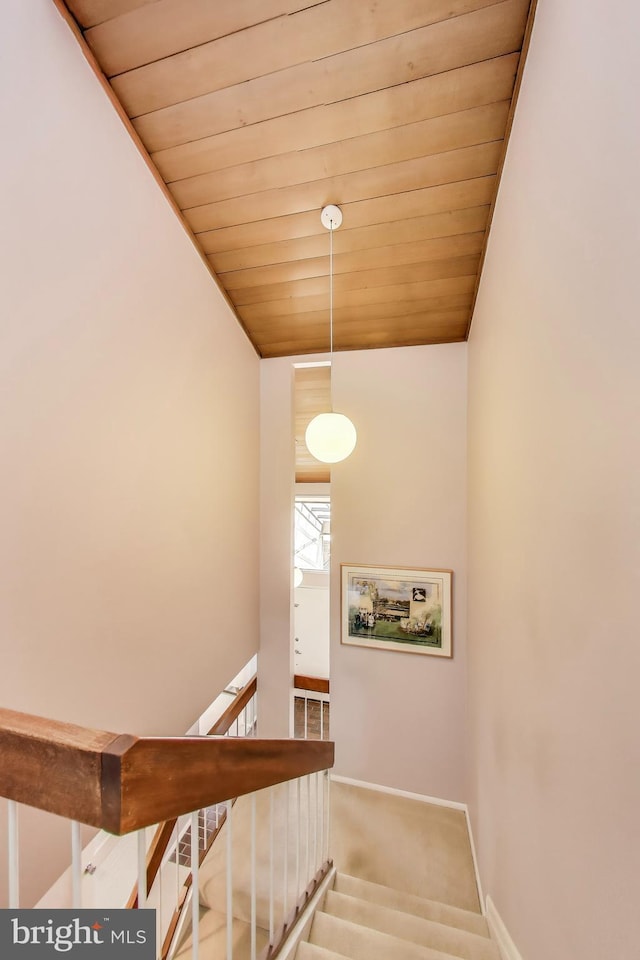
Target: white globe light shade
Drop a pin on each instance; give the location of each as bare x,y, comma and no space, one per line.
298,576
330,437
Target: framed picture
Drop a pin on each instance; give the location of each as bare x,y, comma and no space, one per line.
397,608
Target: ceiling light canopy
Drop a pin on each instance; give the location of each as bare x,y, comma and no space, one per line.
331,437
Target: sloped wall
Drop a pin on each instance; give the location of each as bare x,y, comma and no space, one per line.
554,461
130,416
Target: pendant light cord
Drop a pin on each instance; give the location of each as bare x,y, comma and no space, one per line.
331,314
331,291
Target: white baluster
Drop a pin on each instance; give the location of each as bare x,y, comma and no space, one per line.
271,868
229,883
195,884
298,832
319,816
307,863
76,866
321,719
328,815
314,801
321,787
319,821
161,873
142,869
285,899
306,720
253,877
178,884
13,856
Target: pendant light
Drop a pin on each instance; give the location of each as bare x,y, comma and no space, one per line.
330,437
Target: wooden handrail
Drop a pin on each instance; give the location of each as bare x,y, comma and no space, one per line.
316,684
224,723
53,766
164,832
122,783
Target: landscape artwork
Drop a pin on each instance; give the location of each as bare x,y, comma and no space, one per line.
397,608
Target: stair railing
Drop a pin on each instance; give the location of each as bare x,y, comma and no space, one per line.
240,714
172,839
122,784
311,707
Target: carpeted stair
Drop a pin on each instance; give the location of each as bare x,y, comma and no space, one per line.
360,920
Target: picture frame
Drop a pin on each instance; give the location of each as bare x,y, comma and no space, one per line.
406,609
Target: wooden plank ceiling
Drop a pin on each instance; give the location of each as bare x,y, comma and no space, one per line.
257,113
312,395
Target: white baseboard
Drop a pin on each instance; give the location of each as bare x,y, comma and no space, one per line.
506,946
475,862
454,804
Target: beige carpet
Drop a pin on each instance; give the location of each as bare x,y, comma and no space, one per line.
405,886
414,847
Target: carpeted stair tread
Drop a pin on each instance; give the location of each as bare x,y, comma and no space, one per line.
406,926
408,903
213,938
362,943
311,951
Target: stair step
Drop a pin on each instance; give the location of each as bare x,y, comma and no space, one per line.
407,926
212,938
311,951
408,903
363,943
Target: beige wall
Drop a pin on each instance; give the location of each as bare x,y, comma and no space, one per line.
277,483
399,719
129,418
554,458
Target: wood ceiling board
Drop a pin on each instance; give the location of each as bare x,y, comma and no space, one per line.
315,376
491,32
88,13
313,474
364,213
160,29
376,339
314,338
469,220
317,474
475,85
315,34
424,138
440,248
402,295
259,116
364,311
312,395
467,163
308,469
385,339
408,273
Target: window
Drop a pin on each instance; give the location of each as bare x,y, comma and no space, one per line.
312,524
